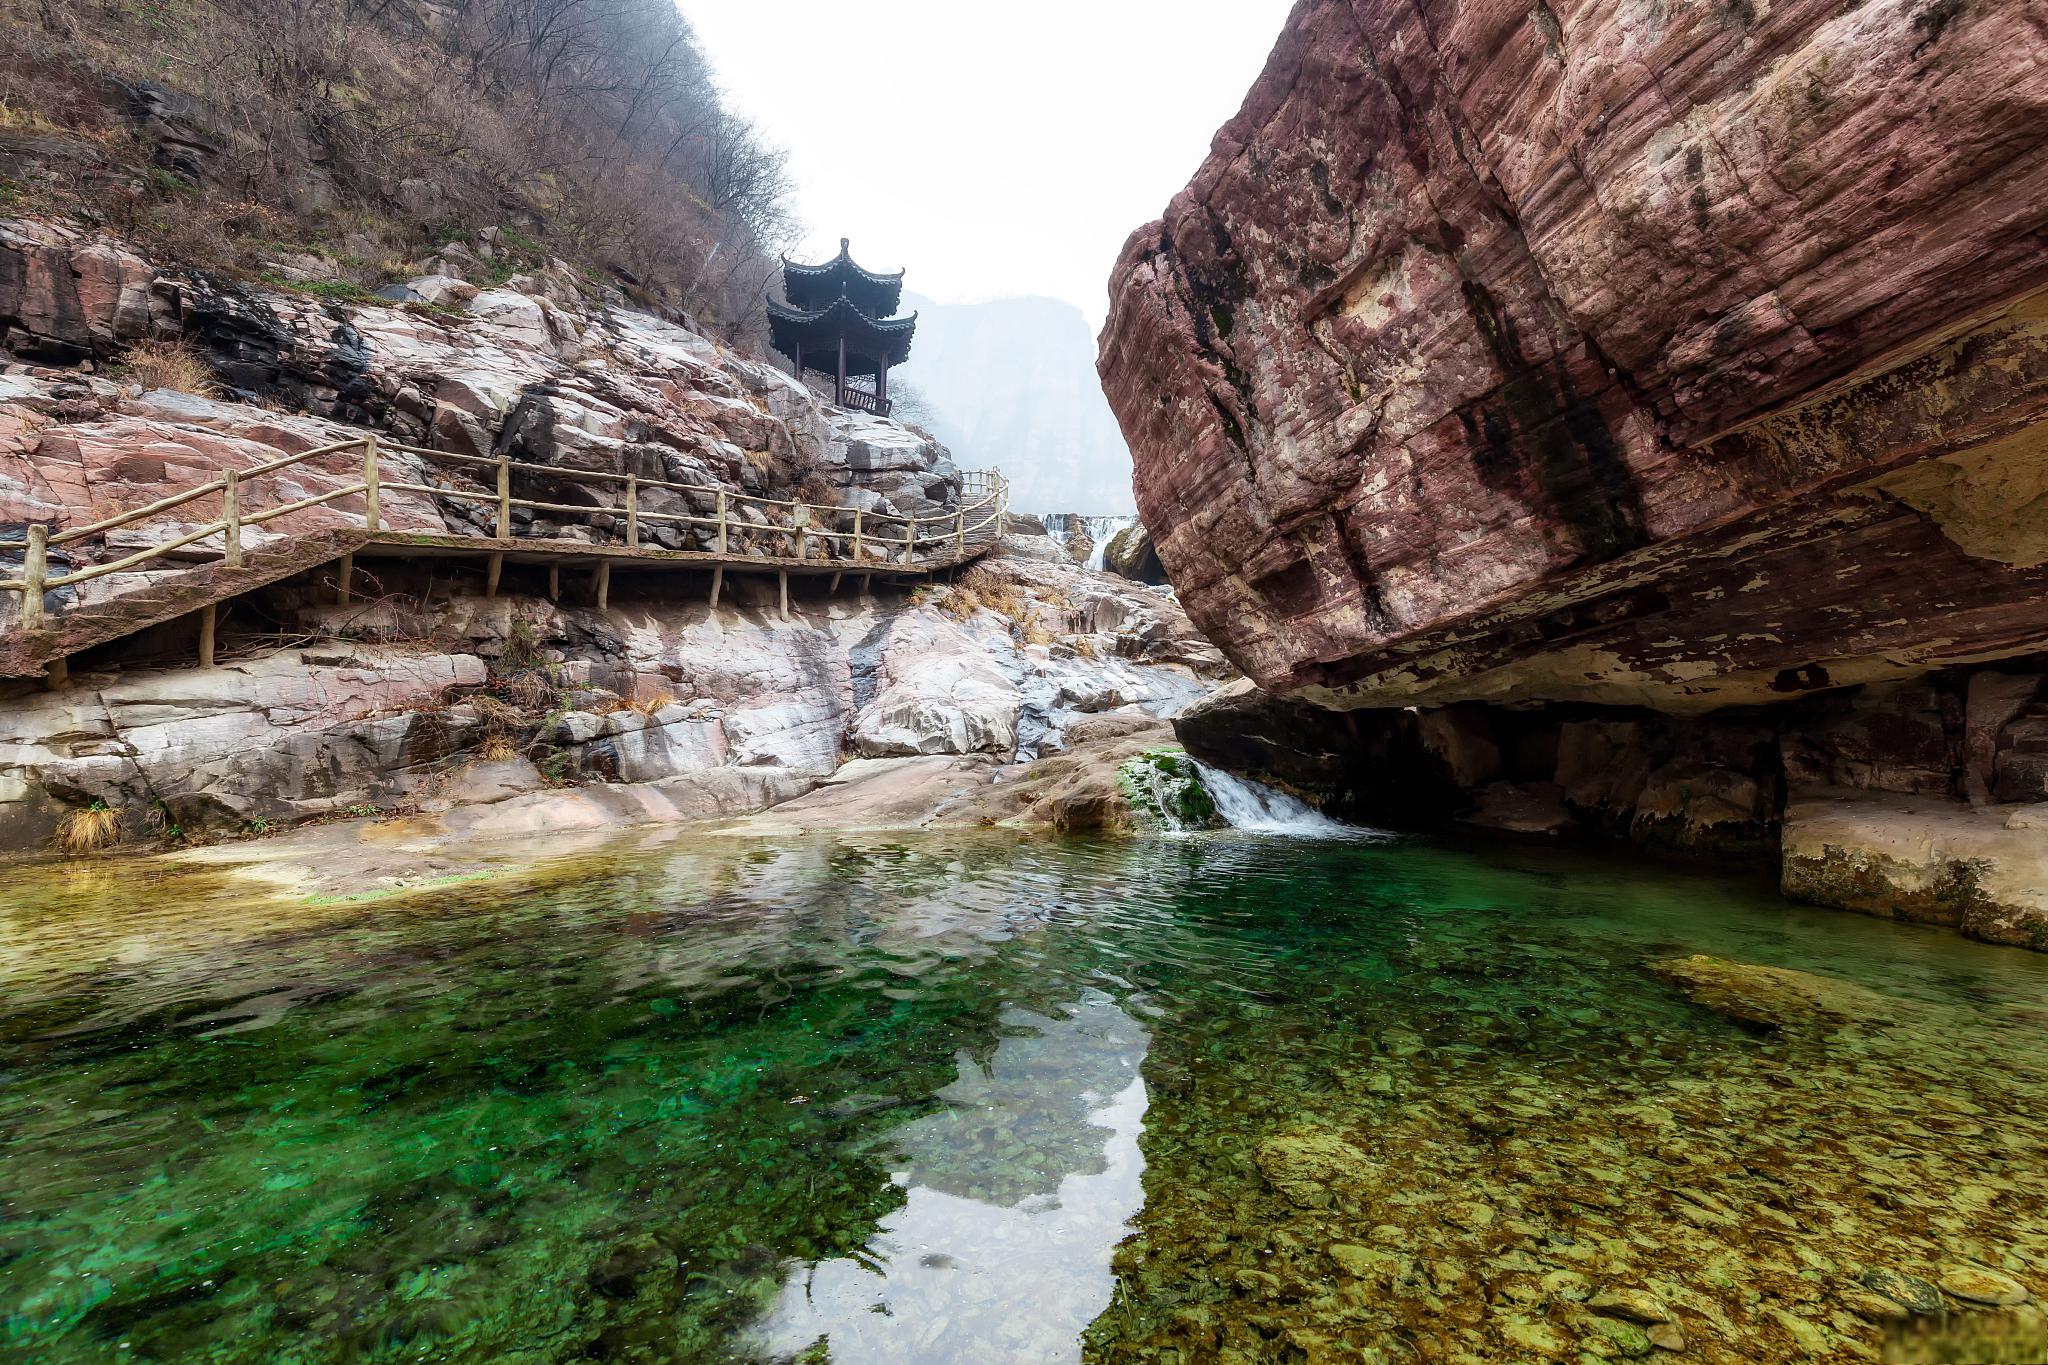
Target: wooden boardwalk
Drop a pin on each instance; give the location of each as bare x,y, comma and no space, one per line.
192,569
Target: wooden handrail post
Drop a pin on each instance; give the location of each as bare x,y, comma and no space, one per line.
231,516
910,541
504,496
370,482
960,529
721,521
856,533
35,567
802,519
632,511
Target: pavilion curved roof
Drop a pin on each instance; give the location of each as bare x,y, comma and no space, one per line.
818,330
816,286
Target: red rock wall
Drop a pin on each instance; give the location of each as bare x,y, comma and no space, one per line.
1477,305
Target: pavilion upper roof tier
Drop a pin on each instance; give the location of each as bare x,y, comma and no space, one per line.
812,287
880,342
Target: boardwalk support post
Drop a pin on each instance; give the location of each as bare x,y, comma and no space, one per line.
35,569
347,579
554,582
209,616
58,674
834,589
784,576
231,516
604,583
495,568
370,483
717,582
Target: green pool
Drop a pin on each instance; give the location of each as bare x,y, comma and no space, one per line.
977,1100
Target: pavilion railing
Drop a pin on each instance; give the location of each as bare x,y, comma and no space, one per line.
863,401
863,541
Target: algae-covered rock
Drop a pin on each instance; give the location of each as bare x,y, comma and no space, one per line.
1631,1305
1165,789
1307,1164
1974,1284
1777,997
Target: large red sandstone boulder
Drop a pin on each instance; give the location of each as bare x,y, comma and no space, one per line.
1600,350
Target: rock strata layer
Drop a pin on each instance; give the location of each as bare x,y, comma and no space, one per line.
1678,356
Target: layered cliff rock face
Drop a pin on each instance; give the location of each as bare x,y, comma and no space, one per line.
1679,355
1673,379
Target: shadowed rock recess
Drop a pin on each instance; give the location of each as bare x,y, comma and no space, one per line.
1652,395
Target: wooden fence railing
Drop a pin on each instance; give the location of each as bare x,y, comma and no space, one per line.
863,541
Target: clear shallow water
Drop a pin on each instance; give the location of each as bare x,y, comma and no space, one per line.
987,1100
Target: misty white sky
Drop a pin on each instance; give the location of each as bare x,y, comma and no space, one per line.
993,149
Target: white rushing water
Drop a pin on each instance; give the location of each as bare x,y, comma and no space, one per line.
1258,809
1099,530
1108,530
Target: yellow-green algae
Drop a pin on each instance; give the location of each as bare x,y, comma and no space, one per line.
982,1099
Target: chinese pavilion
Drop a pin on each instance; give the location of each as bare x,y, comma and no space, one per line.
838,322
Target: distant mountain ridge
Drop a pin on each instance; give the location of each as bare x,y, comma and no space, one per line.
1012,383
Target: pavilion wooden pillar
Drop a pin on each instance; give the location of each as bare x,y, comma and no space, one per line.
840,396
882,386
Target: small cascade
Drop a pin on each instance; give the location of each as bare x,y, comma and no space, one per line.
1064,526
1258,809
1105,529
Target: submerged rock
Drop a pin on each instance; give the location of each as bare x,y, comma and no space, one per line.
1778,997
1634,1305
1907,1293
1309,1165
1974,1284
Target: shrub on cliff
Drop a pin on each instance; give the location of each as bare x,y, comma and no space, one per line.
361,133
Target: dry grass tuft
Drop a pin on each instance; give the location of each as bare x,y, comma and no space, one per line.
532,690
175,365
89,830
495,713
981,590
497,749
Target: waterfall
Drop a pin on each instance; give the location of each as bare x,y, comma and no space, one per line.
1258,809
1105,529
1061,526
